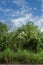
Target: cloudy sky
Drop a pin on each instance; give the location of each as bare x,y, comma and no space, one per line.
18,12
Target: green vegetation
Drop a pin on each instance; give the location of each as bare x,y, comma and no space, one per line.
23,45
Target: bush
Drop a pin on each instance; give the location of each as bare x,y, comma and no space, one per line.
21,45
21,56
34,44
29,57
1,56
8,56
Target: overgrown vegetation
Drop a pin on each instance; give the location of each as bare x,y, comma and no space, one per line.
24,45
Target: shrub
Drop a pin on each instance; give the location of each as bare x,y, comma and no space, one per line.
34,44
29,57
1,56
8,56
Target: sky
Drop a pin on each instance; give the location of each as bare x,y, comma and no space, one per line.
18,12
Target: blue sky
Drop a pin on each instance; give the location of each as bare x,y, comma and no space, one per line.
18,12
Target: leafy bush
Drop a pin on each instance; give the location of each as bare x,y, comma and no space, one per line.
29,57
8,56
22,40
35,44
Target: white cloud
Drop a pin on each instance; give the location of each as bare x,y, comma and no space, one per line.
35,8
41,29
23,4
29,17
22,20
2,20
19,2
19,12
5,10
41,23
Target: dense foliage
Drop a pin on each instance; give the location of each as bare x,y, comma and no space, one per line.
23,45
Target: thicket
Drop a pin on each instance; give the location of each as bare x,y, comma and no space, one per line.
23,45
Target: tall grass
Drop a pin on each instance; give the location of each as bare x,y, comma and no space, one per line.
21,56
